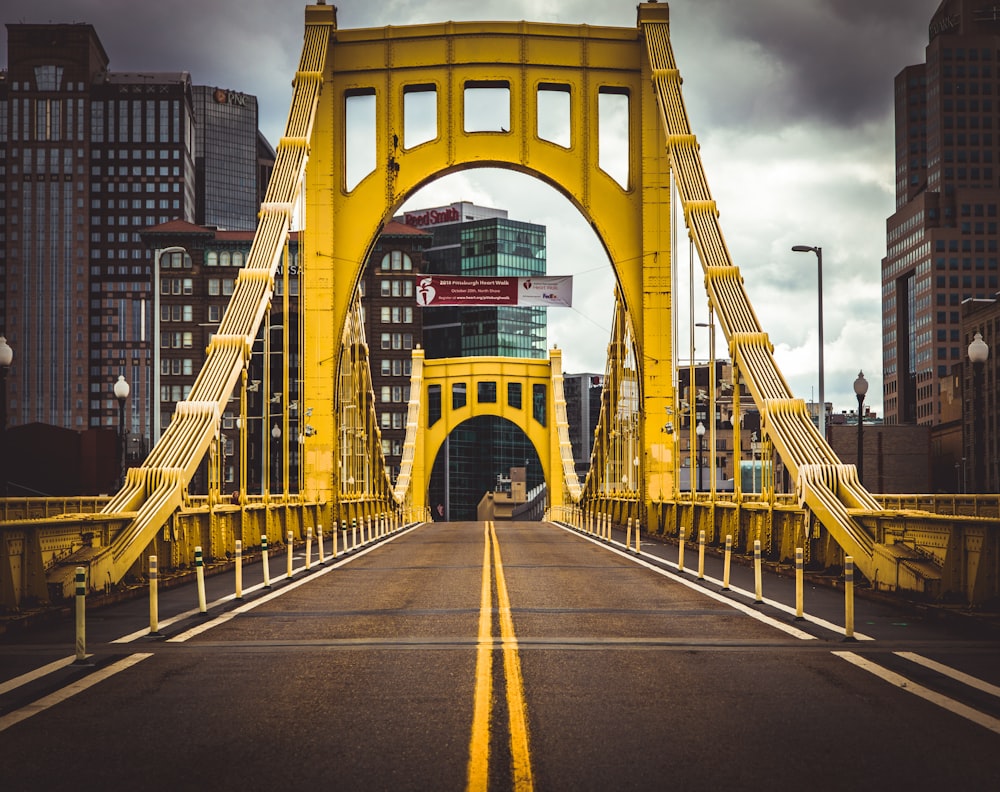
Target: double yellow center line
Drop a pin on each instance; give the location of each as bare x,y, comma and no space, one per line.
479,744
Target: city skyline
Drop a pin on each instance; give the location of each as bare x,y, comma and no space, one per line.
816,167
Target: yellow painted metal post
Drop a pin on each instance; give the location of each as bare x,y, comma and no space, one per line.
80,575
701,555
849,598
728,562
239,569
309,547
757,575
154,606
199,571
798,584
319,539
680,551
264,561
288,554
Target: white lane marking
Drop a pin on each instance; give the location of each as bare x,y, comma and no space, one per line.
249,606
38,673
826,625
70,690
948,671
761,617
909,686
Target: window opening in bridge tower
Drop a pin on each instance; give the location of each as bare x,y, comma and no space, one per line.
486,392
487,106
514,395
538,403
612,133
419,114
359,143
433,404
458,395
553,116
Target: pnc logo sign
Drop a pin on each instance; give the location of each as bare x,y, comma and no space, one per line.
222,96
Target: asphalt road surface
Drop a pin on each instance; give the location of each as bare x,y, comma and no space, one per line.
454,656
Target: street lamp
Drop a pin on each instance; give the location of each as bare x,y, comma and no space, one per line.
157,255
700,431
276,436
860,389
819,286
979,352
6,358
121,390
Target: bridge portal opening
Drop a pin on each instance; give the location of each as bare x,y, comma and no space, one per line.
477,459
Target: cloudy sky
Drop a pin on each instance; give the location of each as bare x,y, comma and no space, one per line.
791,101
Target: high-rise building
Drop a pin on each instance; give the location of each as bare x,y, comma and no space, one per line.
88,159
942,240
393,327
583,411
475,240
226,152
197,273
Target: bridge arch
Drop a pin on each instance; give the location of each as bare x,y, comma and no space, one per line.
448,60
527,392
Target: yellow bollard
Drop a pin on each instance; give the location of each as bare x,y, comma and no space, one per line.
637,537
319,539
264,561
849,598
798,583
309,547
628,534
680,551
288,565
239,569
757,584
728,562
199,571
81,615
354,534
701,555
154,599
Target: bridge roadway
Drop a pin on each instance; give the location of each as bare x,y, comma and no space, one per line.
365,673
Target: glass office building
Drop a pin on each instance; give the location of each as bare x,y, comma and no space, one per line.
471,240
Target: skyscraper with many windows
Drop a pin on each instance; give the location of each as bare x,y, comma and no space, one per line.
942,240
88,159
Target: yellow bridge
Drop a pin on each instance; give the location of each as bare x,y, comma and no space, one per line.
907,543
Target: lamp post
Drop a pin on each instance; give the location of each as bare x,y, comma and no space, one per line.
979,352
860,389
710,324
819,286
276,436
700,431
6,358
121,390
155,401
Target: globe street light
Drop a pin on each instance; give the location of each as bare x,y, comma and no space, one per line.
860,389
979,352
121,390
6,358
819,286
276,436
700,431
